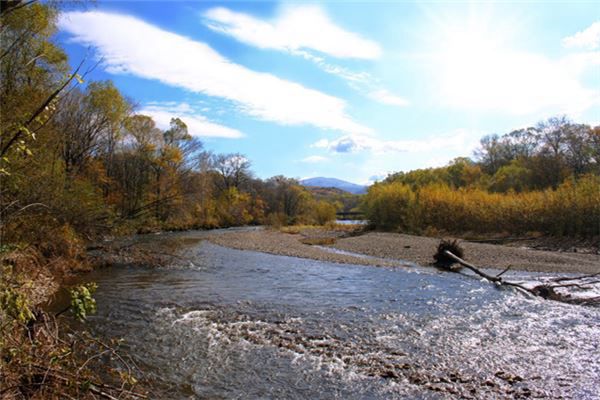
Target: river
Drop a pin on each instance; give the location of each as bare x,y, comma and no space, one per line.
239,324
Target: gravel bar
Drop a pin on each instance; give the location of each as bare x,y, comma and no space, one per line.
397,249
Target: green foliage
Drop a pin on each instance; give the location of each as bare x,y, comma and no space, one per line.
289,203
460,172
235,208
32,340
7,248
82,302
29,66
513,176
343,201
15,304
391,206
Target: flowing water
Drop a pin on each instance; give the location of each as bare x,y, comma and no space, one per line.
239,324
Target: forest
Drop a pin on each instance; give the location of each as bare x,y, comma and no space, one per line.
543,179
79,164
78,161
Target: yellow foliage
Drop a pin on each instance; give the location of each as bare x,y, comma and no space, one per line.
572,209
323,212
390,206
235,208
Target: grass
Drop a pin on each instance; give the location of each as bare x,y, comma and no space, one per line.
297,229
318,241
330,226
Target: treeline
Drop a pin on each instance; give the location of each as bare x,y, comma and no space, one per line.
540,179
343,201
78,161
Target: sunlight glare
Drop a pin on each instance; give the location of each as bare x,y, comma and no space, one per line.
479,64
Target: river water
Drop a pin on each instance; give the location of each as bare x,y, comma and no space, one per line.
237,324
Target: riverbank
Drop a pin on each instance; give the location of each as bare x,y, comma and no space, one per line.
41,355
199,327
390,249
291,244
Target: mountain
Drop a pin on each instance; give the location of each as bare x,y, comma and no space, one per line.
334,183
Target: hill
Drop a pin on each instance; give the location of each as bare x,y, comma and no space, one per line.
334,183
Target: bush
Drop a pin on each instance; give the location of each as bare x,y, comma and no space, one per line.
572,209
323,212
391,206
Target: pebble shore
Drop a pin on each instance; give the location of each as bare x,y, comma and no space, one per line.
394,249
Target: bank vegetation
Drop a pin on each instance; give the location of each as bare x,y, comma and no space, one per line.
77,164
539,180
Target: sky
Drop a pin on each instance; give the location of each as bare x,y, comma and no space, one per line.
352,90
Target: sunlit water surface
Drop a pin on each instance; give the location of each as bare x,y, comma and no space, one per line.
239,324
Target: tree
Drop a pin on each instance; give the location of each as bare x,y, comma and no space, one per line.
554,134
29,66
88,123
491,153
233,170
579,148
513,176
132,164
462,172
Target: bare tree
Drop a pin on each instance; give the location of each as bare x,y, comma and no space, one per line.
233,170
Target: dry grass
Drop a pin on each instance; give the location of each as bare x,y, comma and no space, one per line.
297,229
329,227
41,358
323,241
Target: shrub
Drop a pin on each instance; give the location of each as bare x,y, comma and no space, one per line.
391,206
323,212
571,209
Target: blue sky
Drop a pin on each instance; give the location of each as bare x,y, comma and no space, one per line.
352,90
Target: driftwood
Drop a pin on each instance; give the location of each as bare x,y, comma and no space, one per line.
547,290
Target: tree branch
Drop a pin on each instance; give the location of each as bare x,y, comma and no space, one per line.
40,110
544,290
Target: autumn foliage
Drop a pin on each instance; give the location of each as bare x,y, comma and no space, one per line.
544,178
572,209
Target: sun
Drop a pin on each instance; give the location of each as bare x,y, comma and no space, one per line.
477,63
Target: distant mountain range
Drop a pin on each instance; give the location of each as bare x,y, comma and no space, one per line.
334,183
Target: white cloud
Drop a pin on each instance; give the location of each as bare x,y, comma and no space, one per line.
476,72
378,177
384,96
198,124
297,27
344,73
587,39
129,45
298,30
314,159
459,140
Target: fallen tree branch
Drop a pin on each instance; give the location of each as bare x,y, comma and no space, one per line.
547,290
491,278
575,278
503,272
